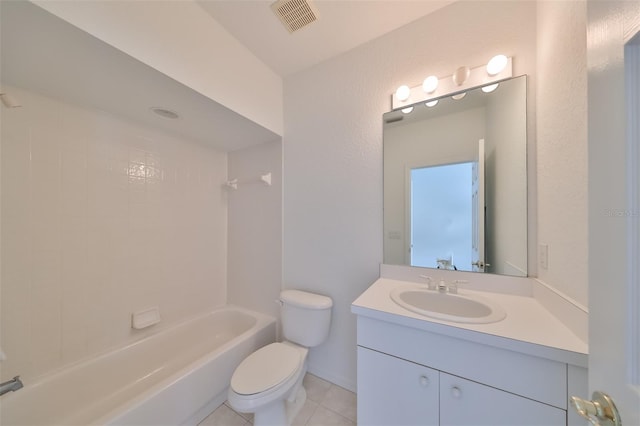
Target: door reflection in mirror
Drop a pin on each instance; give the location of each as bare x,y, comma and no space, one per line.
442,216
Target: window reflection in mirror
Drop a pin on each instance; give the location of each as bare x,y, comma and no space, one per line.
494,231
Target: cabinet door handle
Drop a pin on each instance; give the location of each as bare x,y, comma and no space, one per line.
456,392
424,381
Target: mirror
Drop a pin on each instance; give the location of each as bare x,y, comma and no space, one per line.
455,182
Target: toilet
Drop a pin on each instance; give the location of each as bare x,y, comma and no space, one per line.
268,382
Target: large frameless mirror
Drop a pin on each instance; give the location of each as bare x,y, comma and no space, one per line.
455,182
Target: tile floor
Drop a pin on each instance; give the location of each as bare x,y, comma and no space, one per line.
327,404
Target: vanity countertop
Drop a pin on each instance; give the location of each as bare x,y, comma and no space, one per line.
528,328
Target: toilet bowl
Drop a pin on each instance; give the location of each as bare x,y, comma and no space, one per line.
255,388
268,382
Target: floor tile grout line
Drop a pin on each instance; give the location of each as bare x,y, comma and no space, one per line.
321,403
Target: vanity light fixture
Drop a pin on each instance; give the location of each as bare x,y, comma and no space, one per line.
496,65
499,68
461,75
431,103
430,84
403,93
490,88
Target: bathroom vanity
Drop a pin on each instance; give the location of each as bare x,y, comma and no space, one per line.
414,369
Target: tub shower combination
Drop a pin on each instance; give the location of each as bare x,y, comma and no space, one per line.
176,376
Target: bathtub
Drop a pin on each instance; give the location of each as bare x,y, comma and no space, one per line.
173,377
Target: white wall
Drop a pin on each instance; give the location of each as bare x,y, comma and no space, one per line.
333,150
100,218
255,229
562,146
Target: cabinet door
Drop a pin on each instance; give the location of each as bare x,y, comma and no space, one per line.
463,402
392,391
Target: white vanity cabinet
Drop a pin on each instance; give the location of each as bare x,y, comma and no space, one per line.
408,376
464,403
392,391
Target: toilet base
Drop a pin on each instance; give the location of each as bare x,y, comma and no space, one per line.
294,407
282,412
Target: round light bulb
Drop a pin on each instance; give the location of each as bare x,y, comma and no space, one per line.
403,93
461,75
496,65
407,110
430,84
490,88
431,103
459,96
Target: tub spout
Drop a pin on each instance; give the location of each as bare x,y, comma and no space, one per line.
11,385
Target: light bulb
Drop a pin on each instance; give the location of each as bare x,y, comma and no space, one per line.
490,88
459,96
431,103
496,65
430,84
461,75
403,93
407,110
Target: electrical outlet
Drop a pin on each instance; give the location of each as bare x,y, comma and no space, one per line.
543,256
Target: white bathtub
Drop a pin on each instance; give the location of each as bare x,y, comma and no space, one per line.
173,377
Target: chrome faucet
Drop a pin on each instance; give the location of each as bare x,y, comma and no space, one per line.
431,285
11,385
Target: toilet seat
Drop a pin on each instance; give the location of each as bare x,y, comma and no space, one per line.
265,369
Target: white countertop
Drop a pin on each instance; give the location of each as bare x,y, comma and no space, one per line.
528,328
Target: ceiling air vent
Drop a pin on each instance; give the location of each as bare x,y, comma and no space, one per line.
295,14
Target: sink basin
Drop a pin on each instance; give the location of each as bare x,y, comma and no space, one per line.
447,306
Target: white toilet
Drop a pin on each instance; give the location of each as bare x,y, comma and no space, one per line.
268,382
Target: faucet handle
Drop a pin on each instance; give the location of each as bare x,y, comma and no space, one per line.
430,283
453,287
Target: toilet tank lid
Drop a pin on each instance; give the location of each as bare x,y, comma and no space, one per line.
305,299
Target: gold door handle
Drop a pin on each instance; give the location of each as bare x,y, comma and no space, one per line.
600,411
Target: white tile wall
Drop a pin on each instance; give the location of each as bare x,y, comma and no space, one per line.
101,217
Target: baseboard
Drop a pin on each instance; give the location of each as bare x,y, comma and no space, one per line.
336,379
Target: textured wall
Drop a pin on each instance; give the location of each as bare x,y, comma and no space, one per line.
333,151
562,145
100,218
255,229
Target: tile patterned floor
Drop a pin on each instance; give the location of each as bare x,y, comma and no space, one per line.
327,404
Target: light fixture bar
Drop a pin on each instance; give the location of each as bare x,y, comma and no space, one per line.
477,77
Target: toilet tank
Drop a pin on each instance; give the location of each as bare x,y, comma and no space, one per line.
306,317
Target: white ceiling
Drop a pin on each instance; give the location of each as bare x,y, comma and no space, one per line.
45,54
42,53
342,26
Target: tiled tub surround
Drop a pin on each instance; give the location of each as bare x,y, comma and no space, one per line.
101,217
175,376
